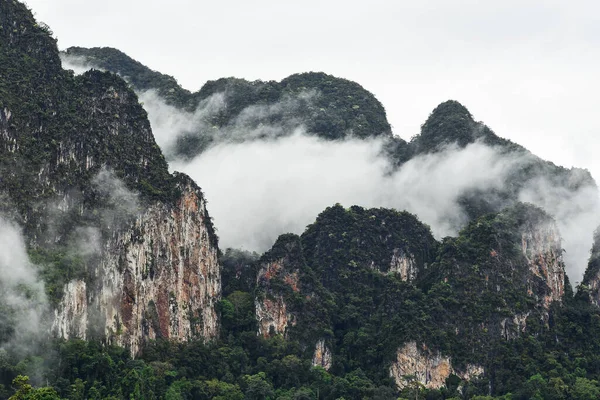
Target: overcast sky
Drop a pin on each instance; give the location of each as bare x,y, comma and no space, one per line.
528,69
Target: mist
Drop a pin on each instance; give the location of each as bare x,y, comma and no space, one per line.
79,65
23,299
261,189
263,179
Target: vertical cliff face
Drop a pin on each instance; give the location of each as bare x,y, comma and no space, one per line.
154,270
512,328
288,296
159,278
541,246
404,265
71,318
590,285
322,356
272,311
429,368
273,317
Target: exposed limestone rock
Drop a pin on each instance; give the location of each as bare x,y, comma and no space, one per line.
273,317
275,269
70,319
271,310
472,371
430,368
511,329
590,285
6,139
541,246
403,264
158,278
322,356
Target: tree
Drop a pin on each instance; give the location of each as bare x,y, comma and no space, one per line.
257,387
26,392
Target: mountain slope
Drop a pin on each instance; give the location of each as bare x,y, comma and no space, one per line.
326,106
131,247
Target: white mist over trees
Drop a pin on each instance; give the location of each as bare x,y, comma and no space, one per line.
24,303
262,179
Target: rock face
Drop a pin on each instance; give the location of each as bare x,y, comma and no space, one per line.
322,356
271,310
541,246
279,279
160,278
71,150
404,264
273,317
429,368
590,286
70,320
512,328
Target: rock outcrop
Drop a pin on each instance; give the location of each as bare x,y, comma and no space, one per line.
71,317
427,367
273,316
272,311
541,246
277,279
590,285
70,146
512,328
159,278
404,265
322,356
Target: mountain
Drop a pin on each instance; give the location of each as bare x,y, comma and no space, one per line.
328,107
231,109
128,250
134,298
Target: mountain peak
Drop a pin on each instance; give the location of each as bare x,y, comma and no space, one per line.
450,108
449,122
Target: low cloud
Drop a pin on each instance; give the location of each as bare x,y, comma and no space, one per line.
119,204
281,178
577,213
258,121
23,300
261,189
78,64
170,123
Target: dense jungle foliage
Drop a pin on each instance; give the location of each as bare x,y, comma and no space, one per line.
364,315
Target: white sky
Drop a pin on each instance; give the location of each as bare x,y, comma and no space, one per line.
528,69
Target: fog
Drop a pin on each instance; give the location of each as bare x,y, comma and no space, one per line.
262,179
22,294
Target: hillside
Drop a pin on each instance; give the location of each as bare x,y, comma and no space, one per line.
328,107
83,177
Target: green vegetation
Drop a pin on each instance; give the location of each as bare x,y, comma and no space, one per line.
329,107
365,313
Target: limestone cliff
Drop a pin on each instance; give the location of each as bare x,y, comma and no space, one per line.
289,299
590,286
272,311
130,247
428,367
273,316
322,356
541,246
159,278
404,265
